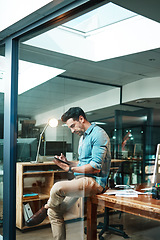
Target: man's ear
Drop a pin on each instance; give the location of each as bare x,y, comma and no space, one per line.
81,119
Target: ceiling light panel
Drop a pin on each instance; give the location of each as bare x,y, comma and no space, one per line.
104,38
32,75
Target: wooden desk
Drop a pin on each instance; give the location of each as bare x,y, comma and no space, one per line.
144,206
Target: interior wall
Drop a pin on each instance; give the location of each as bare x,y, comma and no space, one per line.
145,88
88,104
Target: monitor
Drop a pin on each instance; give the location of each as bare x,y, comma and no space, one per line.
26,149
55,148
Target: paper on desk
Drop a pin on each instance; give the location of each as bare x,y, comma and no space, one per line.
124,186
123,193
111,192
147,189
127,193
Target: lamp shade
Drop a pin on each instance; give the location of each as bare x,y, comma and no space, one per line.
53,122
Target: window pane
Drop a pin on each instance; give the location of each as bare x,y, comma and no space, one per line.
2,75
69,66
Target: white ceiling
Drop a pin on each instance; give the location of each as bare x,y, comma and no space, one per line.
118,71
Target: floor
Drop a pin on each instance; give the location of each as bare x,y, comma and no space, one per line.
136,227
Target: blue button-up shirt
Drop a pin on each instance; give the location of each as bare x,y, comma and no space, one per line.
94,149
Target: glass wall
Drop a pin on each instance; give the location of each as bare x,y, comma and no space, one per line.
2,79
64,67
37,104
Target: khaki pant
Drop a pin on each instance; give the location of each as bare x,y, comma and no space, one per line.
63,195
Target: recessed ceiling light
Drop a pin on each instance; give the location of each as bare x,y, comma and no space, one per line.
89,113
141,101
99,123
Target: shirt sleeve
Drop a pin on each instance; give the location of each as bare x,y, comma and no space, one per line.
99,149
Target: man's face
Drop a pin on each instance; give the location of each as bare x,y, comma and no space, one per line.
76,126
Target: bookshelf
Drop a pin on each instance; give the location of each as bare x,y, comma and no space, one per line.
33,184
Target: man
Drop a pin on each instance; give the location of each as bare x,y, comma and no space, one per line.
90,173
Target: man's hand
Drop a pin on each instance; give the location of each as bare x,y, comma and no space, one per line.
64,166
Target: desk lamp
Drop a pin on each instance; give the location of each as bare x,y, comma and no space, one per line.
52,123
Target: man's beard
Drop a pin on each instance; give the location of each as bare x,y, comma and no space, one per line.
80,133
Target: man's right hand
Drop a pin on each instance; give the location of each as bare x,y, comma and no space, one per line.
64,166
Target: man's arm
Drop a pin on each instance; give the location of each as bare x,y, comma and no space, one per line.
82,169
85,169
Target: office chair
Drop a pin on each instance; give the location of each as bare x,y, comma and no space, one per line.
114,228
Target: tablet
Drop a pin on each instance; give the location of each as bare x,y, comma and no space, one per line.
51,158
62,160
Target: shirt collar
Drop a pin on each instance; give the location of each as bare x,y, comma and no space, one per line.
89,130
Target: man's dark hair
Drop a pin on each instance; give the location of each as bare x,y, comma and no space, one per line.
74,113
